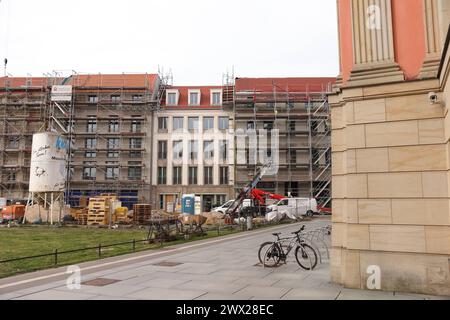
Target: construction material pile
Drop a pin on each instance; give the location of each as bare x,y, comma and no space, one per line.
214,218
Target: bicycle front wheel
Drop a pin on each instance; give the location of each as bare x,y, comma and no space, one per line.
269,255
306,256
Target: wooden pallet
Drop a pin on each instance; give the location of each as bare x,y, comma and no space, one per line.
98,213
82,218
142,213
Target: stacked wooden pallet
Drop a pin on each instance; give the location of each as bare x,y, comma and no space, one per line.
142,213
80,215
82,218
98,213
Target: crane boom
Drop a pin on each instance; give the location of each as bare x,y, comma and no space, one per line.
246,191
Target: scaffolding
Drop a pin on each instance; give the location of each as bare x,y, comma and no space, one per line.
111,136
303,121
23,104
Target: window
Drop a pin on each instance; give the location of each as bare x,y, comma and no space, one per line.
224,175
91,143
135,143
223,123
208,150
172,99
292,126
177,175
193,150
134,170
137,98
193,174
178,123
92,99
91,125
224,150
135,154
90,154
193,99
115,99
292,156
270,105
12,176
177,150
216,99
193,124
162,175
112,143
89,172
208,175
113,154
162,123
268,125
135,126
13,142
208,123
112,171
162,150
113,125
251,125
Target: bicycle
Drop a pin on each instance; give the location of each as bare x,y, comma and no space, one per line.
274,253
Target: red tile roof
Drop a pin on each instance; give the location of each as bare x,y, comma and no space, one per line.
114,80
19,82
283,84
205,99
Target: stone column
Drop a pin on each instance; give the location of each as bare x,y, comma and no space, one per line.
373,43
432,39
444,19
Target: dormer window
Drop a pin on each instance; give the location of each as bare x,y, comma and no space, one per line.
216,97
172,97
194,97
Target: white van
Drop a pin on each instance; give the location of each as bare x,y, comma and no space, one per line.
223,208
295,207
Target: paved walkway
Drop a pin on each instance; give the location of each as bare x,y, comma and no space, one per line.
216,269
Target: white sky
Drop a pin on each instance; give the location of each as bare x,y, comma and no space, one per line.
197,39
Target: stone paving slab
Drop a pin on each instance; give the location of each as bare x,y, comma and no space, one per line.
165,294
312,294
263,292
56,295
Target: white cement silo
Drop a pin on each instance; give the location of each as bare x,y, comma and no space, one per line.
48,169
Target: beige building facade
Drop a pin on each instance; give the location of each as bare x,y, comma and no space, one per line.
390,150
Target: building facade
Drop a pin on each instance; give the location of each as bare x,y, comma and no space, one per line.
111,118
295,113
193,150
22,109
113,135
390,147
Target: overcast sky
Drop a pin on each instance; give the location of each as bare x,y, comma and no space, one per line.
197,39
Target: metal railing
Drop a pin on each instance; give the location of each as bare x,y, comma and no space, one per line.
56,253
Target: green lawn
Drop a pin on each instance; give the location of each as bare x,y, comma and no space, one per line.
29,241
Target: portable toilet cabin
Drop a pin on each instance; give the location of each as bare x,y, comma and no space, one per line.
198,206
188,204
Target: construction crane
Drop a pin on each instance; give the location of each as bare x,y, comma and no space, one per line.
247,190
260,196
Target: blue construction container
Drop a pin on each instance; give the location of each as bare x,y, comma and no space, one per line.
188,204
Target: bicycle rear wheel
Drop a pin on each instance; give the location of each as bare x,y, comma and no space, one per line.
269,254
306,256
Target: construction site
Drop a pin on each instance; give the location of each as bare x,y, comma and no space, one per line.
112,121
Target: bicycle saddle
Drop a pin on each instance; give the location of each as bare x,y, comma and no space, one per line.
276,234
